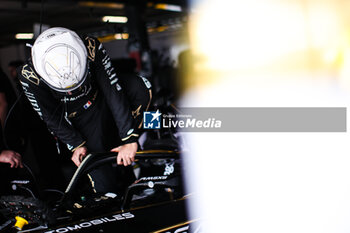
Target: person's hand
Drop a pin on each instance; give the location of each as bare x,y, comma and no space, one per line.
78,155
11,157
126,153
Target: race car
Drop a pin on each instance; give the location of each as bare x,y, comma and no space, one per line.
155,202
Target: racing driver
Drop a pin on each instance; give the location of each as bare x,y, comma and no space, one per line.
72,85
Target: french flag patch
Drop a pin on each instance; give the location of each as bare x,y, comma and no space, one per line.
87,105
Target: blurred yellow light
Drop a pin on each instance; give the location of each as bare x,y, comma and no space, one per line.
169,7
162,28
330,56
121,36
24,36
104,39
115,19
118,36
254,34
283,180
323,24
248,33
111,37
101,4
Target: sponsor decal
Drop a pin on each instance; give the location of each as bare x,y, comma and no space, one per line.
114,81
186,227
85,92
20,181
98,221
182,229
147,83
118,87
151,120
130,131
28,73
87,105
70,147
109,69
91,48
176,229
136,113
73,114
169,168
112,76
51,35
151,178
67,120
154,178
31,99
109,72
106,61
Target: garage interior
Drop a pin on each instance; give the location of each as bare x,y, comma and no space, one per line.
145,37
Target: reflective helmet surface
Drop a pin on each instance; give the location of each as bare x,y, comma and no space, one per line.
59,56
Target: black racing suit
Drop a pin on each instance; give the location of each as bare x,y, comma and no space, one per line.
99,115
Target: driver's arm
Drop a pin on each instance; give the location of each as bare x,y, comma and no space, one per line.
118,104
50,109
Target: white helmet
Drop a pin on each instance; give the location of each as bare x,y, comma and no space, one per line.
60,58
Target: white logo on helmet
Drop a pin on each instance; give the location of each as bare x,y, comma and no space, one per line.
62,66
60,58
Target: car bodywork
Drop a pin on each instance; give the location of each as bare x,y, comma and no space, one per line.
155,202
